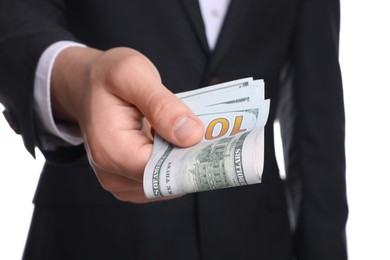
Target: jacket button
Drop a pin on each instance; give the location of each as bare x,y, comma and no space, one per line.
213,79
11,121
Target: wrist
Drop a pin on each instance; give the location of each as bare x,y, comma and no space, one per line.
69,80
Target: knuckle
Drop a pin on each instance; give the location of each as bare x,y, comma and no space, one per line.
108,183
159,105
116,72
108,186
119,196
98,158
122,69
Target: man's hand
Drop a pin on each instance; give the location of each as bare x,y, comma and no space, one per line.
116,97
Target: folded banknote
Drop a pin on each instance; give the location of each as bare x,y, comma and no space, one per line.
232,150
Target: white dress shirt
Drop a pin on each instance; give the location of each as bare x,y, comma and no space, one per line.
213,13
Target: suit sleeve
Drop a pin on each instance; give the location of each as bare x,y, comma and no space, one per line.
313,129
27,28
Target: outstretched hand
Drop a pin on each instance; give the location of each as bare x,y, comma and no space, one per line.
116,97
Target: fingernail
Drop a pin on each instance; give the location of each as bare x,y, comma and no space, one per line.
184,127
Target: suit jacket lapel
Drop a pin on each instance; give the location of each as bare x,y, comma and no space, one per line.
192,9
232,25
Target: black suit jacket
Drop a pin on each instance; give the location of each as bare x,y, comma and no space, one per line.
291,44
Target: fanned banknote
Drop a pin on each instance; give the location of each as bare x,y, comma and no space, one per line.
232,150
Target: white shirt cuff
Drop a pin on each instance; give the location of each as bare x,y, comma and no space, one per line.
42,103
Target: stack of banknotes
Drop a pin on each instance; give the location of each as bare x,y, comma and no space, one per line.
232,150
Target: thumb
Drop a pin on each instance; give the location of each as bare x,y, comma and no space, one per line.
166,113
170,117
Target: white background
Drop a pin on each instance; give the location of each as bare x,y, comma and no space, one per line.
365,62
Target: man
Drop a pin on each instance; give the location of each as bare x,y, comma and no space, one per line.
113,90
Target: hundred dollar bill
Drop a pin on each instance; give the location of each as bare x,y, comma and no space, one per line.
232,92
231,152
